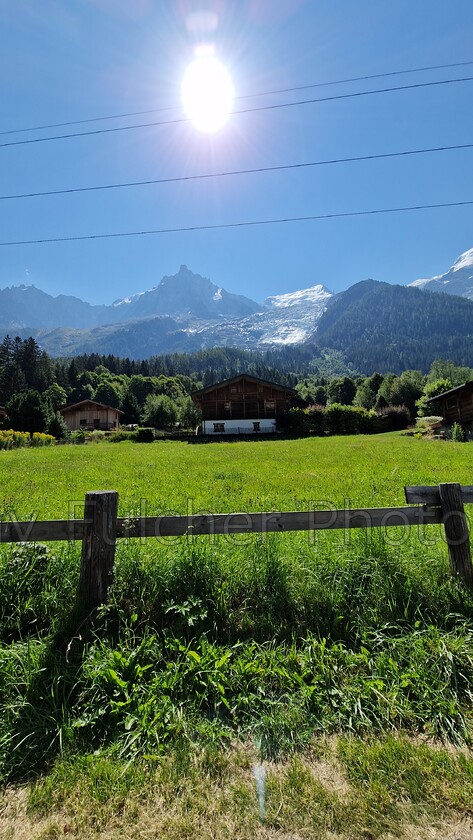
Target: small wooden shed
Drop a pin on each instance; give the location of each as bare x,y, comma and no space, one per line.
457,405
242,405
90,415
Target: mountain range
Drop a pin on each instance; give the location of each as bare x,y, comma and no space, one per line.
184,312
187,312
186,295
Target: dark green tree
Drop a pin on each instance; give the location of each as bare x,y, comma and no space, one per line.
56,395
447,370
141,387
341,391
130,408
320,395
188,414
431,389
107,393
84,388
28,412
159,411
35,364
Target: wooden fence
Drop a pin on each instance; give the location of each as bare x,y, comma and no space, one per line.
101,527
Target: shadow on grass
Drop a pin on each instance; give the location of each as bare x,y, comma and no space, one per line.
38,714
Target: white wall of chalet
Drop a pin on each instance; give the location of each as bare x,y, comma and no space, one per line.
239,427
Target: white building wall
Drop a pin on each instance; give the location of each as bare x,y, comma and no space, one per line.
239,427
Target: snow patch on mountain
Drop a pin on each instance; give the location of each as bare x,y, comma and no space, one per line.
286,319
464,261
185,296
131,298
315,295
288,335
458,280
422,282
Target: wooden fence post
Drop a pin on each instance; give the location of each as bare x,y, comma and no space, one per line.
98,547
456,532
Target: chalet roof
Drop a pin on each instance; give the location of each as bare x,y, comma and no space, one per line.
94,403
467,386
240,378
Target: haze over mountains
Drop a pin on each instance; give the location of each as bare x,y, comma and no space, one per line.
186,312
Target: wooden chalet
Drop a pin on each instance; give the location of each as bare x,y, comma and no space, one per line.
242,405
90,415
457,405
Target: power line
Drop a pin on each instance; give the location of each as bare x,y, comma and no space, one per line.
228,225
244,96
274,107
260,169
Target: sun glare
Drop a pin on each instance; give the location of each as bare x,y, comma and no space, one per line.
207,93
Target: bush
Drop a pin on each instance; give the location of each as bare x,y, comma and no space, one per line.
144,435
57,427
394,418
10,439
315,415
337,419
41,439
77,436
122,434
348,420
458,433
97,436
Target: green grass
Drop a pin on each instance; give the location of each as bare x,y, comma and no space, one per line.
221,477
269,640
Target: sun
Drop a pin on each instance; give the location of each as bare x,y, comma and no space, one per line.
207,92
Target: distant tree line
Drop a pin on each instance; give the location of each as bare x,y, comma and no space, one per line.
33,387
156,392
411,389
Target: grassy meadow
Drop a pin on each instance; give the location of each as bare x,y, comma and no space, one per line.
220,477
341,663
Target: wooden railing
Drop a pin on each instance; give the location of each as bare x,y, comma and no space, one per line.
101,527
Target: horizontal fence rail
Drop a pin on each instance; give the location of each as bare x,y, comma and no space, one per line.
101,527
225,523
431,495
275,522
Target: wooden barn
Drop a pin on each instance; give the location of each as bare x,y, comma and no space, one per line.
457,405
90,415
242,405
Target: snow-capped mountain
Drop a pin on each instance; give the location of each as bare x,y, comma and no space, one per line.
458,280
285,319
282,320
184,295
185,312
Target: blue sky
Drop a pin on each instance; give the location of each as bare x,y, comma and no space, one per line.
64,60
